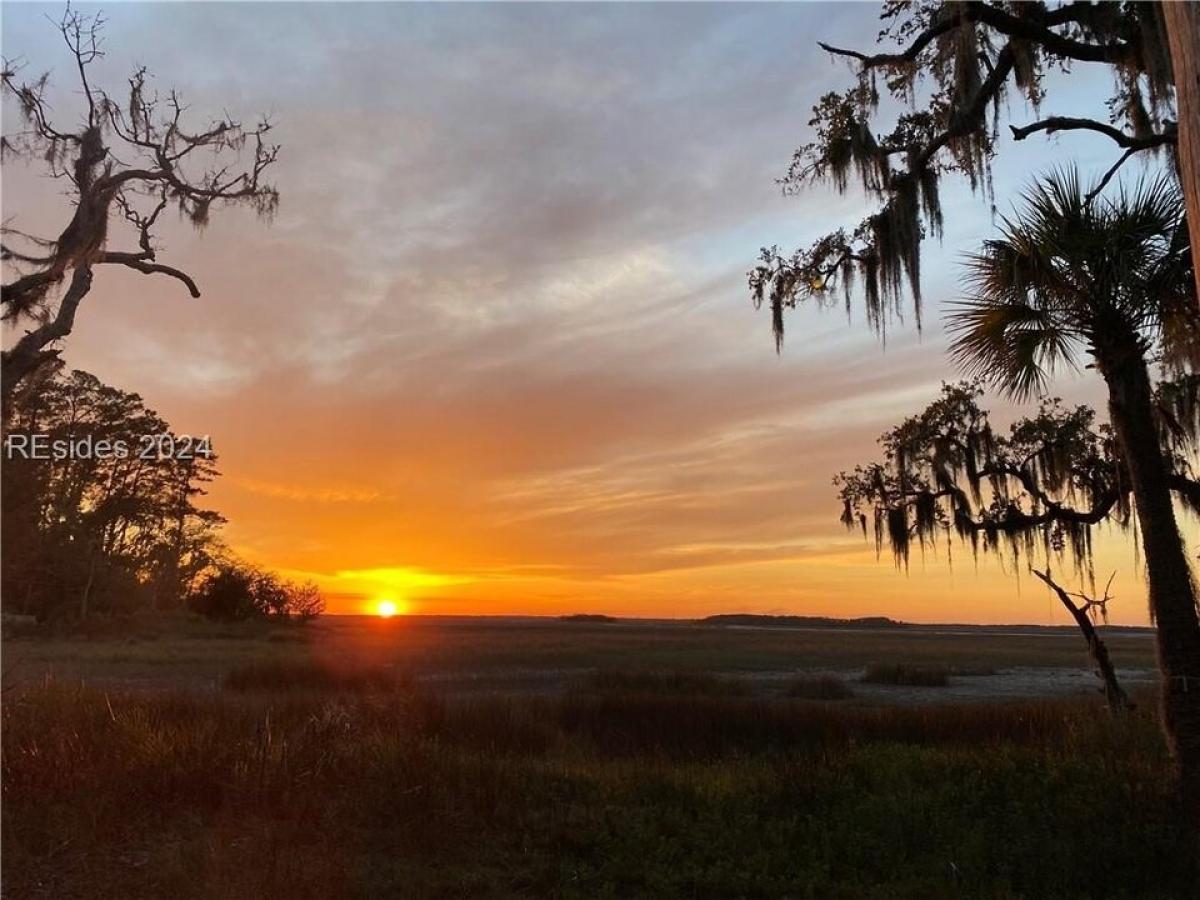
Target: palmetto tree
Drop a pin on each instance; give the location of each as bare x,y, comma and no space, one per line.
1080,275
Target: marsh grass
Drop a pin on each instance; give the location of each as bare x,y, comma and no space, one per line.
609,791
906,675
691,684
312,674
821,687
181,652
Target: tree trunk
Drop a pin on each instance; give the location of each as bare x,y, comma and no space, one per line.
1183,35
1172,590
1118,701
30,353
86,597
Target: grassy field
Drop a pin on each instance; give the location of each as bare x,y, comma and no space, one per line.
195,761
158,652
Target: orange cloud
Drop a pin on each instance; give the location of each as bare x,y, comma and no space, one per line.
496,353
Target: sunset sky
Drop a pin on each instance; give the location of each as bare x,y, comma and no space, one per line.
496,354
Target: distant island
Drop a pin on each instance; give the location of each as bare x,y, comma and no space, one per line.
587,617
751,620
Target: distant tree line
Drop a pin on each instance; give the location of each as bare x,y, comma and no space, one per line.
102,513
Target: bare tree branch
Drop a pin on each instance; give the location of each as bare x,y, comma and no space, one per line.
1035,25
1118,701
908,55
141,264
30,353
1068,123
1108,176
161,169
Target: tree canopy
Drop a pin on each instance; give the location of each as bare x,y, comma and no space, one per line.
1042,487
1073,274
954,69
132,155
102,512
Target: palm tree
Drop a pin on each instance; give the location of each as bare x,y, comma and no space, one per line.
1112,279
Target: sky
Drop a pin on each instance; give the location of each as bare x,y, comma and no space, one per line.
495,353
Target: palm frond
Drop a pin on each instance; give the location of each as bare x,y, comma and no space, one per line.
1008,343
1065,272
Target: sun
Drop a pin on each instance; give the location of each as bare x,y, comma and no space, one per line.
385,606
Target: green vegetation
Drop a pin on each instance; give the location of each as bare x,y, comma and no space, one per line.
1076,274
465,757
371,792
1110,280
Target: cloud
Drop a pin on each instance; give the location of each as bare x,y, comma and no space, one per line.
499,332
304,493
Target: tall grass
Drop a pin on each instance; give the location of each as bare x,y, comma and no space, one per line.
691,684
906,675
823,687
609,790
311,675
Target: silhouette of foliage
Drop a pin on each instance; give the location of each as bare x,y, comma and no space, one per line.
945,472
98,518
963,59
235,591
1112,279
133,156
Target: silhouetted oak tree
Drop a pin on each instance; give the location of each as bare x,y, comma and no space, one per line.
963,59
945,472
126,159
1131,304
234,591
1041,489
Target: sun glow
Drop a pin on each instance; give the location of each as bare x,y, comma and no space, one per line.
385,608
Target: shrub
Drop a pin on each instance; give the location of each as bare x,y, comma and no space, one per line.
305,601
236,591
227,595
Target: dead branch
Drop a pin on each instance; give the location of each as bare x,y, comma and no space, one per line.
1052,124
1118,700
135,158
